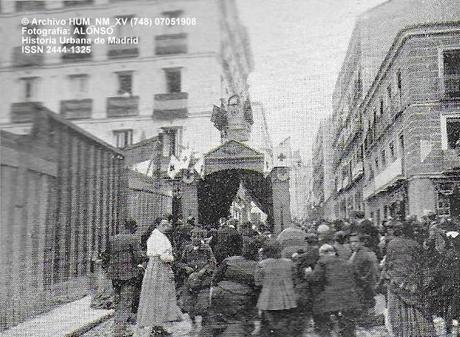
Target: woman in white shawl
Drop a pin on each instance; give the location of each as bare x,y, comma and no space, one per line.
157,305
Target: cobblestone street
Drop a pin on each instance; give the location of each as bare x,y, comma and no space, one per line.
184,328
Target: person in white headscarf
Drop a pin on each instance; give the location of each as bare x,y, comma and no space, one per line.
157,305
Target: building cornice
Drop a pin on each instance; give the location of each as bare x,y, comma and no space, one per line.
127,61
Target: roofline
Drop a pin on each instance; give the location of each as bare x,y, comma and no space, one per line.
76,128
399,41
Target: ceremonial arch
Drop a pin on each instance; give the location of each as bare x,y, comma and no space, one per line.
209,196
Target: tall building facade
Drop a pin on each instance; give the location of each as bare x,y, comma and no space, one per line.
396,113
124,93
322,178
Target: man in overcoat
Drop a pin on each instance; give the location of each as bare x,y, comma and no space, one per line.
124,255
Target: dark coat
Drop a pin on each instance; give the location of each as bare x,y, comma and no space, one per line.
365,267
124,255
226,236
339,288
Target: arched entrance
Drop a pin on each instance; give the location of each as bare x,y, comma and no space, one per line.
217,191
209,198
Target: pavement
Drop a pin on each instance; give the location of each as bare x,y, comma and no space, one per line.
68,320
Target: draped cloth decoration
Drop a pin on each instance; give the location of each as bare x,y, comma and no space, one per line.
217,191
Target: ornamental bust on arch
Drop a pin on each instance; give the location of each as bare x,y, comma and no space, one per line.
234,114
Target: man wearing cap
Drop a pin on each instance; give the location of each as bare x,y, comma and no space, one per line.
199,263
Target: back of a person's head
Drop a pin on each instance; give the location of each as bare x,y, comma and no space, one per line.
234,245
272,249
250,249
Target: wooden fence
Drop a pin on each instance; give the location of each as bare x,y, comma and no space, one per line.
63,193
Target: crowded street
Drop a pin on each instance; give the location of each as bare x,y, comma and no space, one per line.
230,168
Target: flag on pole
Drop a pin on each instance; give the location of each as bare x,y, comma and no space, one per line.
173,167
199,166
282,154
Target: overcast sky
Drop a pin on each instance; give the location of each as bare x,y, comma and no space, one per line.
298,48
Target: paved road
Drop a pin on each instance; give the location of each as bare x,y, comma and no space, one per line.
184,329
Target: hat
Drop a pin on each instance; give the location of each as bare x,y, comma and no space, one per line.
323,229
326,249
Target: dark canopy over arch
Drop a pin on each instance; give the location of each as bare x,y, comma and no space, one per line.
217,191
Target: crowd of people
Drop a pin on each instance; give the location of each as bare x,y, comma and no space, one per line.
238,280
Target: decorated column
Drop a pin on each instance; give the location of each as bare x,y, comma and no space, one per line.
281,198
189,190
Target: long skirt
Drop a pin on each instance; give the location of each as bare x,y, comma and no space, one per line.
157,304
407,320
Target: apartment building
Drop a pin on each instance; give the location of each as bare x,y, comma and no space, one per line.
124,93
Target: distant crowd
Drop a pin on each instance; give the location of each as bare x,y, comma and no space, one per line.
236,279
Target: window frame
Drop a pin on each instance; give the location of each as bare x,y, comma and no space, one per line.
444,137
119,82
34,80
126,132
441,51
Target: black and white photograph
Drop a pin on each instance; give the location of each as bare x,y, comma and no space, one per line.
230,168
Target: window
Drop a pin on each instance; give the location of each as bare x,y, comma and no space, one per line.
79,85
451,60
384,160
401,144
389,94
123,138
399,82
173,80
376,160
443,204
125,83
381,106
170,141
453,132
392,150
29,87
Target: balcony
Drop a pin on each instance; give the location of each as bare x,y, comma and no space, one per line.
75,57
76,3
117,51
26,60
170,106
357,171
171,44
384,179
23,112
77,108
452,86
29,5
122,106
369,190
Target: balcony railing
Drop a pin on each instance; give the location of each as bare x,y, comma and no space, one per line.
29,5
170,106
122,51
76,3
452,86
122,106
22,112
171,44
77,108
75,57
388,176
25,60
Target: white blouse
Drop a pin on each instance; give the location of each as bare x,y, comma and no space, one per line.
158,245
